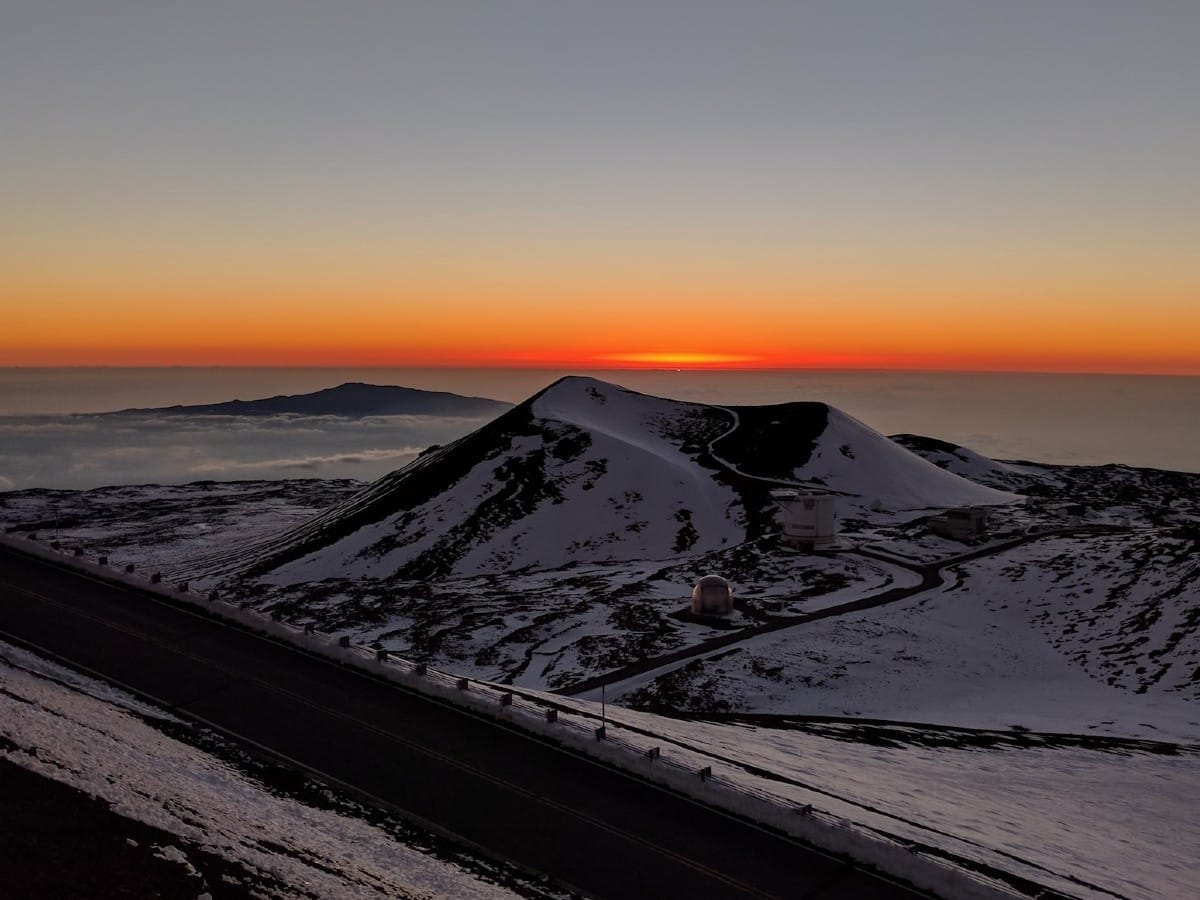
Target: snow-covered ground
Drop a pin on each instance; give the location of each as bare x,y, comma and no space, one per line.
1122,608
150,767
168,527
851,455
551,628
965,656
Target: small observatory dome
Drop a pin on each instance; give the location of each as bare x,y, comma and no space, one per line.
712,596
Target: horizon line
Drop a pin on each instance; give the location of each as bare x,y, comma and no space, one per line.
916,370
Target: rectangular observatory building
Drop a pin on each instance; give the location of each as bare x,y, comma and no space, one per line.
807,519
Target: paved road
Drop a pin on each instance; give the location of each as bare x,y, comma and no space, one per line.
930,574
591,828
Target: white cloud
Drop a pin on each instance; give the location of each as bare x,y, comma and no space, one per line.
309,462
94,451
44,425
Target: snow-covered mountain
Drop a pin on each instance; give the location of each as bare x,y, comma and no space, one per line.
963,461
349,399
1111,492
589,471
852,454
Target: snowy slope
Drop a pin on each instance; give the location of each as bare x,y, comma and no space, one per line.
854,457
583,470
1081,816
287,838
589,471
1113,493
973,655
962,461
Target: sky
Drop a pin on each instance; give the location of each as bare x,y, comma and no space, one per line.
929,185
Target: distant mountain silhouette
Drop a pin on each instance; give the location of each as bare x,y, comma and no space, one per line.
350,399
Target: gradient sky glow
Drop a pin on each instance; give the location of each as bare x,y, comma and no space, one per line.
916,185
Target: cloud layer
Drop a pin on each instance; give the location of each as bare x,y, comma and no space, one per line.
93,451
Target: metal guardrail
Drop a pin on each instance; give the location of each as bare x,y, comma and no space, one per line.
385,662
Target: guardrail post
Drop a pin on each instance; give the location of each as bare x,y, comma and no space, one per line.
552,715
705,773
653,753
506,698
421,670
381,654
310,628
156,578
213,596
344,641
129,567
462,684
103,560
183,587
276,615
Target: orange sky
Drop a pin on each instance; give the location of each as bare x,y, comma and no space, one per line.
253,319
963,186
63,333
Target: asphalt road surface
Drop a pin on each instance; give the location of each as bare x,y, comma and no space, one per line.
589,827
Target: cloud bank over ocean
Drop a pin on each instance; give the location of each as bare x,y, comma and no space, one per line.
94,451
